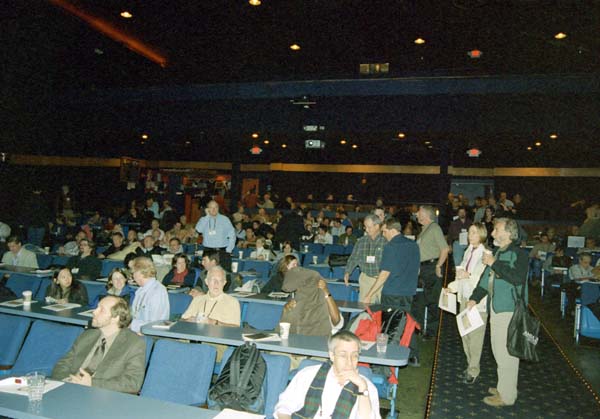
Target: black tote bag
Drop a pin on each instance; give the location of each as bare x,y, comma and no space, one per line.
523,332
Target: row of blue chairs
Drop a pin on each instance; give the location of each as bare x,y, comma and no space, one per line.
176,372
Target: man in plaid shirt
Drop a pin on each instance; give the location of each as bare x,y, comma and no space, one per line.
366,254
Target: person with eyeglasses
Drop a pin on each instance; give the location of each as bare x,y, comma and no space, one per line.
332,389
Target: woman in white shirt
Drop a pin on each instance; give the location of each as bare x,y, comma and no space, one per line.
467,277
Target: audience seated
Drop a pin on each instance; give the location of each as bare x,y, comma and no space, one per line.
181,274
148,247
348,238
215,307
65,289
118,244
323,236
261,253
17,255
85,265
108,356
116,286
333,389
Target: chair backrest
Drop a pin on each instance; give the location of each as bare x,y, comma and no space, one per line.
94,290
263,268
179,372
19,283
330,249
41,292
43,260
108,265
178,303
590,292
276,378
13,330
339,291
262,316
45,344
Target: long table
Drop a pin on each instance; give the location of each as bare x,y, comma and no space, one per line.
396,356
35,311
10,269
72,401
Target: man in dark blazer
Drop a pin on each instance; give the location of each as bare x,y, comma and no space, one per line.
109,356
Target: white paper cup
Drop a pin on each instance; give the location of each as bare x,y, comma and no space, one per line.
284,330
305,248
315,260
382,341
47,250
234,267
241,254
27,297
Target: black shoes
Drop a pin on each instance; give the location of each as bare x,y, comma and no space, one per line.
413,361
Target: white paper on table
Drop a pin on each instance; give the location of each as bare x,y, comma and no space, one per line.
61,307
88,313
365,345
15,303
233,414
278,294
447,301
468,320
463,238
242,294
18,385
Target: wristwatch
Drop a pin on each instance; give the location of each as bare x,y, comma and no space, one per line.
327,296
363,393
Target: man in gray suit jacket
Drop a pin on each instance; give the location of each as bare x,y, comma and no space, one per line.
109,356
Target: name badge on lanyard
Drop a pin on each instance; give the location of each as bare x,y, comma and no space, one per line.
370,259
212,232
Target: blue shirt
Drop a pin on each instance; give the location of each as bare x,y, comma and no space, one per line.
217,232
401,258
151,303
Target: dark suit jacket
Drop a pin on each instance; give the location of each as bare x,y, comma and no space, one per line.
122,368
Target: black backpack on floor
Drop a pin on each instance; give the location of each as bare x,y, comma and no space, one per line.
239,385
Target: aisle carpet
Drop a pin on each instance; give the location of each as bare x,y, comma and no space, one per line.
548,389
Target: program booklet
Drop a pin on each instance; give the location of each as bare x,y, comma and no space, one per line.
261,336
165,324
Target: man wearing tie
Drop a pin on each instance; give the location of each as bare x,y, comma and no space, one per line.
217,234
109,356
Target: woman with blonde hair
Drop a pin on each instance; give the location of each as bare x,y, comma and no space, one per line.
466,280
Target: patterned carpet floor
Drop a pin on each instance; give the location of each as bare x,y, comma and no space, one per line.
551,388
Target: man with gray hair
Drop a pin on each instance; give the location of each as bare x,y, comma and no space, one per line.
366,254
151,300
434,252
332,389
507,278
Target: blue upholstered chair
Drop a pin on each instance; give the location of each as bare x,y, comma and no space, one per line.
108,265
178,303
94,289
41,292
276,378
45,344
43,260
586,324
13,330
262,316
19,283
261,267
341,292
179,372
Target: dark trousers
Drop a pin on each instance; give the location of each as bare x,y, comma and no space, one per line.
432,286
403,303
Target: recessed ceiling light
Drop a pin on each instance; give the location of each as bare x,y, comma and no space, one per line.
145,136
266,142
254,2
419,41
354,146
554,136
429,146
188,143
538,143
295,47
560,35
343,142
125,14
529,148
283,145
255,135
427,142
401,135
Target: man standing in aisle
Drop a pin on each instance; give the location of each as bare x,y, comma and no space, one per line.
366,254
434,252
398,277
217,233
506,280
